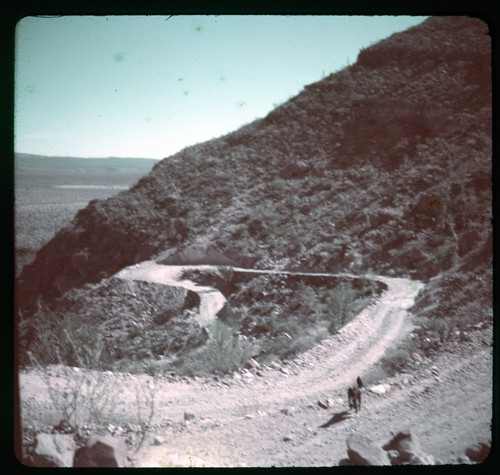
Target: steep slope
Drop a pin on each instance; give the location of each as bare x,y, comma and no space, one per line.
383,166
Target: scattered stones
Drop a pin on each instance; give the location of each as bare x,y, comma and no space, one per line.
362,451
326,403
288,411
101,451
132,427
64,427
416,357
247,375
53,450
252,364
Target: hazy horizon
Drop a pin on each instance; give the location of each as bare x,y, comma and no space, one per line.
85,158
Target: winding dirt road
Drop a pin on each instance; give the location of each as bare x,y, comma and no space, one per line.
272,417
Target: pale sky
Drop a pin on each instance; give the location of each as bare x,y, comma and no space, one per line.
148,86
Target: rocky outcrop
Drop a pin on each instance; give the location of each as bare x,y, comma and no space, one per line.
102,451
362,451
53,450
403,449
404,446
378,389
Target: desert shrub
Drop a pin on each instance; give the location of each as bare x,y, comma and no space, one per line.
305,300
441,327
463,322
224,352
64,339
86,397
277,189
226,273
258,227
338,305
396,361
190,274
81,397
294,341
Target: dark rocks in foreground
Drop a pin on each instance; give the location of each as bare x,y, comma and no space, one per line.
403,449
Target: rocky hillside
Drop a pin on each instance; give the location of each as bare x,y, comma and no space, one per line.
384,166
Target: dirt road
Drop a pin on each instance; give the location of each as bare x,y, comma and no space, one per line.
272,417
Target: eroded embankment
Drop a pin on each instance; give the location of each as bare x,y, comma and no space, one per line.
210,300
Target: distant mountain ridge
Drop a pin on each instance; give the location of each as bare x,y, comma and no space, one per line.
385,165
24,161
35,156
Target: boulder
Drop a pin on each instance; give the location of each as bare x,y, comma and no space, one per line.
192,301
252,364
288,411
407,444
325,403
478,452
378,389
53,450
102,451
422,459
158,440
188,416
362,451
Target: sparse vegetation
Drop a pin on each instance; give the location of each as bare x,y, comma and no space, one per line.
70,360
382,167
396,361
52,338
287,314
224,352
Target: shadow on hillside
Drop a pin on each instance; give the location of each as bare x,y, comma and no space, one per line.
338,417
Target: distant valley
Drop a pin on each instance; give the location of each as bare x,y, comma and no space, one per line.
50,190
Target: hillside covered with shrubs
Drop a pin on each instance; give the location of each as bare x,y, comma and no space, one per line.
382,167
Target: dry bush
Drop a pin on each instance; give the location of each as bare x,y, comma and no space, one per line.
224,352
396,360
